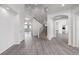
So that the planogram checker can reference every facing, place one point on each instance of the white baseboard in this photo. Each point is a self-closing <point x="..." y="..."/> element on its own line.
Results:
<point x="1" y="51"/>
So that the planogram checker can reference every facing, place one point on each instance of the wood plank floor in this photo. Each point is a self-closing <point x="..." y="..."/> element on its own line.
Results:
<point x="35" y="46"/>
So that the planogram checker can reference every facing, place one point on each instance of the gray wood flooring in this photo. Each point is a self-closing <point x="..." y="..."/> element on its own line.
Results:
<point x="37" y="46"/>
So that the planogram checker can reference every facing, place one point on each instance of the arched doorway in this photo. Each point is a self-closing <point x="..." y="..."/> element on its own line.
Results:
<point x="61" y="27"/>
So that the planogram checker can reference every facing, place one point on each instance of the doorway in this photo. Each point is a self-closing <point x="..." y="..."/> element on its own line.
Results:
<point x="61" y="28"/>
<point x="27" y="29"/>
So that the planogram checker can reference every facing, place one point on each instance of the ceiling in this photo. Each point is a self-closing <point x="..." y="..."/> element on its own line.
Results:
<point x="40" y="11"/>
<point x="52" y="7"/>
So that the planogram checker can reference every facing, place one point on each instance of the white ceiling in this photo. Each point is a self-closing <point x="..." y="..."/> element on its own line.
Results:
<point x="41" y="10"/>
<point x="52" y="7"/>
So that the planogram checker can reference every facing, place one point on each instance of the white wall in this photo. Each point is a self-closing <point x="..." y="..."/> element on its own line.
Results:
<point x="17" y="29"/>
<point x="36" y="27"/>
<point x="50" y="26"/>
<point x="12" y="25"/>
<point x="20" y="10"/>
<point x="75" y="17"/>
<point x="77" y="32"/>
<point x="7" y="29"/>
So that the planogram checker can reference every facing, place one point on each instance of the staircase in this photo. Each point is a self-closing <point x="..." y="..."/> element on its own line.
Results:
<point x="40" y="15"/>
<point x="43" y="34"/>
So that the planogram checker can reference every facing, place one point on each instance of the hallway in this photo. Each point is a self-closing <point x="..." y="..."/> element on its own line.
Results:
<point x="31" y="29"/>
<point x="35" y="46"/>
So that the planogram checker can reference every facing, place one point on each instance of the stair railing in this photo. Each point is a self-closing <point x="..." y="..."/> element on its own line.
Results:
<point x="40" y="30"/>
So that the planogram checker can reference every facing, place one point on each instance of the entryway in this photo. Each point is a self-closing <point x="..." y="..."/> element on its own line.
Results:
<point x="61" y="27"/>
